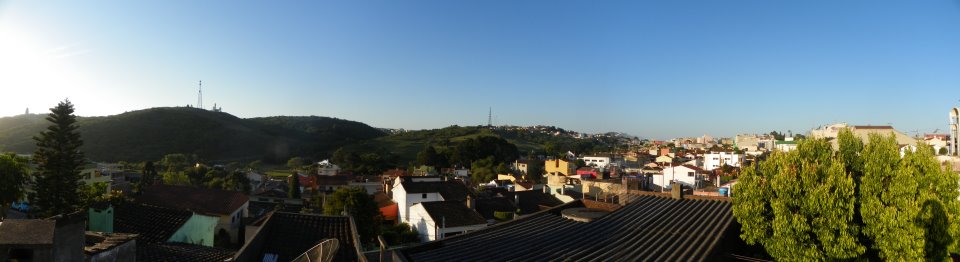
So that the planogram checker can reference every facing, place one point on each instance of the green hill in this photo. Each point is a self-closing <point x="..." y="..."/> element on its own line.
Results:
<point x="403" y="147"/>
<point x="151" y="133"/>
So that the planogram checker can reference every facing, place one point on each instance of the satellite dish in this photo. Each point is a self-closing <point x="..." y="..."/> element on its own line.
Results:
<point x="322" y="252"/>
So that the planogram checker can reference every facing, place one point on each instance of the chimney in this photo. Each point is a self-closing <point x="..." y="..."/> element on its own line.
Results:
<point x="469" y="202"/>
<point x="676" y="190"/>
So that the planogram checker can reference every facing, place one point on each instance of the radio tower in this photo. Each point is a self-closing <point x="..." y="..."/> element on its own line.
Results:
<point x="200" y="96"/>
<point x="490" y="117"/>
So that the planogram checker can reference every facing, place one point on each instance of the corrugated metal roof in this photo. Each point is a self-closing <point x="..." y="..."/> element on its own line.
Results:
<point x="652" y="227"/>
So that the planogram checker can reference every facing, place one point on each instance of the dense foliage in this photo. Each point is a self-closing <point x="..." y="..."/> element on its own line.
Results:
<point x="59" y="162"/>
<point x="13" y="178"/>
<point x="355" y="201"/>
<point x="864" y="201"/>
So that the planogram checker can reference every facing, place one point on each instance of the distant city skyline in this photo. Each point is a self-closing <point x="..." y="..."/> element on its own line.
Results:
<point x="650" y="69"/>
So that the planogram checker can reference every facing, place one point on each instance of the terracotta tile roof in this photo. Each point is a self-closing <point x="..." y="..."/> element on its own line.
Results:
<point x="450" y="190"/>
<point x="452" y="213"/>
<point x="635" y="232"/>
<point x="27" y="232"/>
<point x="152" y="223"/>
<point x="200" y="200"/>
<point x="290" y="234"/>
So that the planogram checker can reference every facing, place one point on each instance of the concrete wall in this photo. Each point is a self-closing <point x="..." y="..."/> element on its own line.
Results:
<point x="100" y="220"/>
<point x="198" y="230"/>
<point x="69" y="237"/>
<point x="126" y="252"/>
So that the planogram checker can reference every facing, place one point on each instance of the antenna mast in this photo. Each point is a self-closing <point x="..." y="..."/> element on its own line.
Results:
<point x="200" y="96"/>
<point x="490" y="117"/>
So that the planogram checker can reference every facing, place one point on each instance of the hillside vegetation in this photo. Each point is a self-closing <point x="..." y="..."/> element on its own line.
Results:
<point x="214" y="136"/>
<point x="402" y="148"/>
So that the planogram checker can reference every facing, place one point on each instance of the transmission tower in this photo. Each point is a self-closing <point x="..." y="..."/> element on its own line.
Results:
<point x="200" y="96"/>
<point x="490" y="117"/>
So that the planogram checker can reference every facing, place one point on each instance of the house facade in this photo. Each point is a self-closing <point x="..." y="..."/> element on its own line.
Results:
<point x="436" y="220"/>
<point x="686" y="174"/>
<point x="559" y="167"/>
<point x="713" y="161"/>
<point x="597" y="161"/>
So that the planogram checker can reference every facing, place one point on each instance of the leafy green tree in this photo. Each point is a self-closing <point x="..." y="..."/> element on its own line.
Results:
<point x="175" y="162"/>
<point x="399" y="234"/>
<point x="294" y="190"/>
<point x="59" y="162"/>
<point x="94" y="192"/>
<point x="149" y="174"/>
<point x="909" y="204"/>
<point x="482" y="171"/>
<point x="176" y="179"/>
<point x="863" y="201"/>
<point x="13" y="178"/>
<point x="580" y="163"/>
<point x="535" y="171"/>
<point x="429" y="157"/>
<point x="943" y="151"/>
<point x="295" y="163"/>
<point x="799" y="205"/>
<point x="255" y="165"/>
<point x="358" y="204"/>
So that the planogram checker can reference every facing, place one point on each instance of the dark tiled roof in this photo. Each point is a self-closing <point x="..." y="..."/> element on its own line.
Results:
<point x="200" y="200"/>
<point x="532" y="201"/>
<point x="453" y="213"/>
<point x="181" y="252"/>
<point x="97" y="242"/>
<point x="289" y="234"/>
<point x="487" y="206"/>
<point x="274" y="193"/>
<point x="636" y="231"/>
<point x="27" y="232"/>
<point x="450" y="190"/>
<point x="152" y="223"/>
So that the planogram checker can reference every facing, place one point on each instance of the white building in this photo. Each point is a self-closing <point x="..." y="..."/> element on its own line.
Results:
<point x="410" y="190"/>
<point x="439" y="219"/>
<point x="713" y="161"/>
<point x="325" y="168"/>
<point x="685" y="174"/>
<point x="954" y="144"/>
<point x="937" y="141"/>
<point x="828" y="131"/>
<point x="597" y="161"/>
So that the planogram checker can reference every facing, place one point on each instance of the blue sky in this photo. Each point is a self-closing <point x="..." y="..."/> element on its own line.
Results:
<point x="655" y="69"/>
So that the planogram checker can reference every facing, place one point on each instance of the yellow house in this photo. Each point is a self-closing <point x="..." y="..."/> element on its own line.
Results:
<point x="560" y="167"/>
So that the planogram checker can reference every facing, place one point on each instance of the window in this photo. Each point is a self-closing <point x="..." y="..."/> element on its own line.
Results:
<point x="690" y="174"/>
<point x="424" y="195"/>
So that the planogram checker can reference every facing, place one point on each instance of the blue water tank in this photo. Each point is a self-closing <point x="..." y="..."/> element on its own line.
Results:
<point x="724" y="191"/>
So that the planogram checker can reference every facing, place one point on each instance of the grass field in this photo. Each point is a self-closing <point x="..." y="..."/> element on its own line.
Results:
<point x="279" y="173"/>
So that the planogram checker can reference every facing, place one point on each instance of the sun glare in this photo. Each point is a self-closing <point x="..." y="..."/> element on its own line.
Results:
<point x="30" y="70"/>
